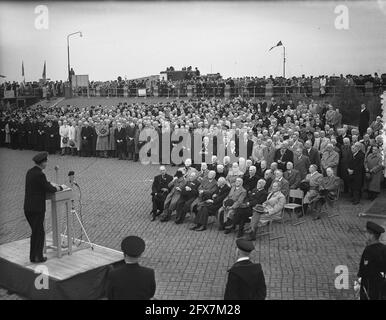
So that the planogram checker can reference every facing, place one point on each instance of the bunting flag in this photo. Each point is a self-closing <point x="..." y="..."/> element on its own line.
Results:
<point x="22" y="68"/>
<point x="1" y="76"/>
<point x="278" y="45"/>
<point x="44" y="71"/>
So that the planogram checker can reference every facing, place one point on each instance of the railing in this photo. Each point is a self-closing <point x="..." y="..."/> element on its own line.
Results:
<point x="228" y="92"/>
<point x="202" y="91"/>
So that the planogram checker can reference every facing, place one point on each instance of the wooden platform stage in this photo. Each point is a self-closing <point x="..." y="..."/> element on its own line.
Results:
<point x="81" y="275"/>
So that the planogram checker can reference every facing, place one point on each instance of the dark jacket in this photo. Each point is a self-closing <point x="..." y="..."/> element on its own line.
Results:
<point x="245" y="282"/>
<point x="256" y="197"/>
<point x="250" y="182"/>
<point x="160" y="183"/>
<point x="287" y="156"/>
<point x="131" y="282"/>
<point x="313" y="155"/>
<point x="364" y="118"/>
<point x="36" y="187"/>
<point x="219" y="196"/>
<point x="373" y="262"/>
<point x="357" y="165"/>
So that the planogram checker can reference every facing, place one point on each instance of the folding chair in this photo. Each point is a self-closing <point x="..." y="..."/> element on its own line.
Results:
<point x="335" y="203"/>
<point x="294" y="194"/>
<point x="270" y="220"/>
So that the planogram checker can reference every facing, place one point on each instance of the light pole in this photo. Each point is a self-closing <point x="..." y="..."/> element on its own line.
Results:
<point x="68" y="52"/>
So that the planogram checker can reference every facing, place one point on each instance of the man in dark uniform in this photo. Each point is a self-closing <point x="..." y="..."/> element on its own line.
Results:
<point x="36" y="187"/>
<point x="159" y="191"/>
<point x="372" y="265"/>
<point x="245" y="279"/>
<point x="131" y="281"/>
<point x="50" y="133"/>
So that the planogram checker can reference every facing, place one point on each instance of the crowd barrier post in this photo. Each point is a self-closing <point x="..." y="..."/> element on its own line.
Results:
<point x="227" y="91"/>
<point x="315" y="88"/>
<point x="369" y="88"/>
<point x="189" y="91"/>
<point x="269" y="90"/>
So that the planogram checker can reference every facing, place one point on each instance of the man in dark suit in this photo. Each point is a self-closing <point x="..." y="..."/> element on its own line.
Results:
<point x="159" y="191"/>
<point x="131" y="281"/>
<point x="87" y="134"/>
<point x="188" y="194"/>
<point x="364" y="119"/>
<point x="245" y="279"/>
<point x="312" y="154"/>
<point x="50" y="138"/>
<point x="211" y="206"/>
<point x="356" y="171"/>
<point x="250" y="144"/>
<point x="255" y="196"/>
<point x="36" y="187"/>
<point x="120" y="138"/>
<point x="250" y="179"/>
<point x="292" y="176"/>
<point x="283" y="155"/>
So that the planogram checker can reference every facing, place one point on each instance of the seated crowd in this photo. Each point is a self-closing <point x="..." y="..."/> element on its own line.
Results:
<point x="288" y="146"/>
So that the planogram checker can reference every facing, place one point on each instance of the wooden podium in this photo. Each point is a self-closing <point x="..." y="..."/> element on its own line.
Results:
<point x="60" y="200"/>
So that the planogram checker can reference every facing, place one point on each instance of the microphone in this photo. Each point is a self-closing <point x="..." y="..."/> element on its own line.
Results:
<point x="56" y="174"/>
<point x="71" y="177"/>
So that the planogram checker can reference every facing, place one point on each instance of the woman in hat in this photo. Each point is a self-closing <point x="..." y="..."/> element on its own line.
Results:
<point x="102" y="144"/>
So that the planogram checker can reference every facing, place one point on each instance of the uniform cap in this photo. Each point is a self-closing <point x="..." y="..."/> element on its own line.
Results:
<point x="245" y="245"/>
<point x="133" y="246"/>
<point x="40" y="157"/>
<point x="374" y="228"/>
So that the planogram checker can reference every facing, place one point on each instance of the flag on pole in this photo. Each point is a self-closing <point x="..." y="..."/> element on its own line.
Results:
<point x="44" y="71"/>
<point x="278" y="45"/>
<point x="22" y="68"/>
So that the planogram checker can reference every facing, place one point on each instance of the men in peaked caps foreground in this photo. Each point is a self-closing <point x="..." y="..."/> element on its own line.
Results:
<point x="131" y="281"/>
<point x="245" y="279"/>
<point x="372" y="268"/>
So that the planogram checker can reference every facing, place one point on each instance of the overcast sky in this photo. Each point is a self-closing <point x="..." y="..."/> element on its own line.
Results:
<point x="138" y="39"/>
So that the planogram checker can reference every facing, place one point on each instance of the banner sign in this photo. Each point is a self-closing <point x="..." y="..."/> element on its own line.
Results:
<point x="80" y="81"/>
<point x="9" y="94"/>
<point x="141" y="92"/>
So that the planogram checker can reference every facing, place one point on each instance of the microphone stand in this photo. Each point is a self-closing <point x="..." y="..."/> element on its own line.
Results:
<point x="80" y="220"/>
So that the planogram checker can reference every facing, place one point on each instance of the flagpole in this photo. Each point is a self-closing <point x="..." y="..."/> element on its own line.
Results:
<point x="284" y="63"/>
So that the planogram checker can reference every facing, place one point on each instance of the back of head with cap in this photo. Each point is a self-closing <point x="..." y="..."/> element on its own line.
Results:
<point x="133" y="246"/>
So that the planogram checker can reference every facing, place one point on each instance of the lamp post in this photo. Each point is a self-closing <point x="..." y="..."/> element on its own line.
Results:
<point x="68" y="52"/>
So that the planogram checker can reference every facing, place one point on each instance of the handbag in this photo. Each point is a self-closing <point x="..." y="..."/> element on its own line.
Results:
<point x="65" y="140"/>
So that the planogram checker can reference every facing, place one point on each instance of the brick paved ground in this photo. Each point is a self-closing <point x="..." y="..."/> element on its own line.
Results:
<point x="188" y="264"/>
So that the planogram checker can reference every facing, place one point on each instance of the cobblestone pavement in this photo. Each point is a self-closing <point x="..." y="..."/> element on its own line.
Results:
<point x="189" y="265"/>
